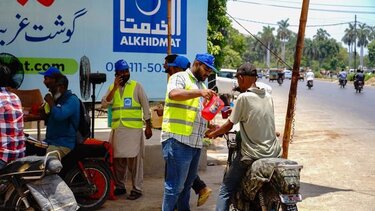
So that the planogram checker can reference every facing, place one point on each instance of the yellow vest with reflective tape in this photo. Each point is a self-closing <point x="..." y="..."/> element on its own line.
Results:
<point x="179" y="116"/>
<point x="125" y="109"/>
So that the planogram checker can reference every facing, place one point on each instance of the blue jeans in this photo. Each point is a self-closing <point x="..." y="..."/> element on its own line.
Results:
<point x="180" y="172"/>
<point x="231" y="182"/>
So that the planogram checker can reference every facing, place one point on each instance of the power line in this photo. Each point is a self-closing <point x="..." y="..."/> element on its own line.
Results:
<point x="293" y="25"/>
<point x="329" y="5"/>
<point x="313" y="9"/>
<point x="258" y="40"/>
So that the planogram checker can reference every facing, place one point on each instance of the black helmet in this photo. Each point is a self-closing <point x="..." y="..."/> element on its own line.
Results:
<point x="6" y="76"/>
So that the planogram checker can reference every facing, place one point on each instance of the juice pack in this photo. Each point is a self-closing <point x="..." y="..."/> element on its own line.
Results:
<point x="211" y="108"/>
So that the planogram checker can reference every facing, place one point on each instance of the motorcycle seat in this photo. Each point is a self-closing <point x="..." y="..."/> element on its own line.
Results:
<point x="30" y="165"/>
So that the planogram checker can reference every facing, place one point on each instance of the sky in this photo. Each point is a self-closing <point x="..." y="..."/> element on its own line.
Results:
<point x="333" y="16"/>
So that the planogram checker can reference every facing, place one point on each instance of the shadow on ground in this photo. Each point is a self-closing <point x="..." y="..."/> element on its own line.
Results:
<point x="317" y="190"/>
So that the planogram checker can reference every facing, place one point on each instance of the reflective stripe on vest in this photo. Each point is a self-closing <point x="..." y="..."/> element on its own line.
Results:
<point x="125" y="109"/>
<point x="179" y="116"/>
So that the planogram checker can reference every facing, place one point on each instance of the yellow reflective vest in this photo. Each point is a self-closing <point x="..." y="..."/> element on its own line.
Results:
<point x="125" y="109"/>
<point x="179" y="116"/>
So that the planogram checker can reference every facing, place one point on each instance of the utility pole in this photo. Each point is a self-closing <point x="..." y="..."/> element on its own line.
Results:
<point x="169" y="50"/>
<point x="355" y="41"/>
<point x="293" y="86"/>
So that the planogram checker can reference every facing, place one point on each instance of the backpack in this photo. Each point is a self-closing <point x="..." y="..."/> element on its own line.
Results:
<point x="84" y="130"/>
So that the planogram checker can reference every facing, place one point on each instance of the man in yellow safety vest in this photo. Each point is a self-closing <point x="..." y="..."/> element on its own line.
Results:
<point x="183" y="129"/>
<point x="129" y="106"/>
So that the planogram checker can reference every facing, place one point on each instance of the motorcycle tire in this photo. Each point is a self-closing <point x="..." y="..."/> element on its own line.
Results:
<point x="94" y="196"/>
<point x="16" y="203"/>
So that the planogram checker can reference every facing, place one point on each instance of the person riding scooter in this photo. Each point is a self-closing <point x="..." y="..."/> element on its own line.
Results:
<point x="280" y="77"/>
<point x="310" y="78"/>
<point x="359" y="77"/>
<point x="342" y="77"/>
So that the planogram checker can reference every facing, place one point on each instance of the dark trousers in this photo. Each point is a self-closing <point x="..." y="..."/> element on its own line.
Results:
<point x="198" y="185"/>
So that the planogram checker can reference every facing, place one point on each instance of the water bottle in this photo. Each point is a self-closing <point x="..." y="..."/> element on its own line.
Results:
<point x="212" y="108"/>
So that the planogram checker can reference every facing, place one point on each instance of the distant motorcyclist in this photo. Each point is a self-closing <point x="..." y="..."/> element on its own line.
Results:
<point x="254" y="111"/>
<point x="310" y="77"/>
<point x="359" y="76"/>
<point x="280" y="77"/>
<point x="342" y="77"/>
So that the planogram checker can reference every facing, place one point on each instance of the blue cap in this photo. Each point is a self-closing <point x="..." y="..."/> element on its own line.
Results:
<point x="50" y="72"/>
<point x="181" y="62"/>
<point x="208" y="60"/>
<point x="121" y="65"/>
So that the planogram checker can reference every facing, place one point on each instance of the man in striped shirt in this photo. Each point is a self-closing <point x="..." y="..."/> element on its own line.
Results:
<point x="11" y="121"/>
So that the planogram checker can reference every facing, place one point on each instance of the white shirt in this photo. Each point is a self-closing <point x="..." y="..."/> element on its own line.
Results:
<point x="309" y="76"/>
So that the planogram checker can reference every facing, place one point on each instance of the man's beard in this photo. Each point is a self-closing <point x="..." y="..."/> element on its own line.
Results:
<point x="198" y="77"/>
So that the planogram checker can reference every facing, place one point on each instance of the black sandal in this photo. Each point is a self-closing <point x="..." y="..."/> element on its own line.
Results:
<point x="134" y="195"/>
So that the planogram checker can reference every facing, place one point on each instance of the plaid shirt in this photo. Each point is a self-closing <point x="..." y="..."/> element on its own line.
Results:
<point x="178" y="81"/>
<point x="11" y="127"/>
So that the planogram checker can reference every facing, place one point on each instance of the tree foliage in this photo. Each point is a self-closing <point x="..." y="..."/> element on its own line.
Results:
<point x="218" y="23"/>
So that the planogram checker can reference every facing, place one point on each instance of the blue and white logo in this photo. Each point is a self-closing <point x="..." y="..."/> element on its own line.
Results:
<point x="142" y="26"/>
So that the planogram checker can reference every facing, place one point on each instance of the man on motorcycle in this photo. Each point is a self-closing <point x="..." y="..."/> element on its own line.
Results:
<point x="12" y="138"/>
<point x="62" y="116"/>
<point x="310" y="76"/>
<point x="254" y="111"/>
<point x="342" y="77"/>
<point x="359" y="77"/>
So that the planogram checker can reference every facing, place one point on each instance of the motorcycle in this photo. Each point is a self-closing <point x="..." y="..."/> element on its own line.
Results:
<point x="269" y="183"/>
<point x="309" y="84"/>
<point x="85" y="170"/>
<point x="280" y="81"/>
<point x="358" y="86"/>
<point x="32" y="183"/>
<point x="342" y="83"/>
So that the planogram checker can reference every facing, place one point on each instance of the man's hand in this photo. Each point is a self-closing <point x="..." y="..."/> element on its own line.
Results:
<point x="148" y="132"/>
<point x="211" y="133"/>
<point x="207" y="93"/>
<point x="49" y="99"/>
<point x="118" y="81"/>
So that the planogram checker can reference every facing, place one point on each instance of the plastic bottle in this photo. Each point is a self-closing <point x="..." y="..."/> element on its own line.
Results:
<point x="212" y="108"/>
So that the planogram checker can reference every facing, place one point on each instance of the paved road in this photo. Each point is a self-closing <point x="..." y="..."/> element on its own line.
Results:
<point x="333" y="141"/>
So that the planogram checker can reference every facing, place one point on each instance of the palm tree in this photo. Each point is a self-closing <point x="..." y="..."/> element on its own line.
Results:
<point x="349" y="39"/>
<point x="363" y="34"/>
<point x="372" y="33"/>
<point x="321" y="34"/>
<point x="283" y="33"/>
<point x="268" y="38"/>
<point x="309" y="50"/>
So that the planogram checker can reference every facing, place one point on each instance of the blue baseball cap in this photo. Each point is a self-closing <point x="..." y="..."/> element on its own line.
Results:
<point x="208" y="60"/>
<point x="181" y="62"/>
<point x="121" y="65"/>
<point x="51" y="72"/>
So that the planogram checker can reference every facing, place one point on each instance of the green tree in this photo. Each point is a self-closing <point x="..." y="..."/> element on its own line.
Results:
<point x="268" y="38"/>
<point x="349" y="39"/>
<point x="217" y="25"/>
<point x="309" y="51"/>
<point x="283" y="34"/>
<point x="371" y="54"/>
<point x="232" y="59"/>
<point x="363" y="34"/>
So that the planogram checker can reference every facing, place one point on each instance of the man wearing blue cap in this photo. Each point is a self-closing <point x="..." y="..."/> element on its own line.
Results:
<point x="129" y="105"/>
<point x="173" y="64"/>
<point x="62" y="115"/>
<point x="183" y="130"/>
